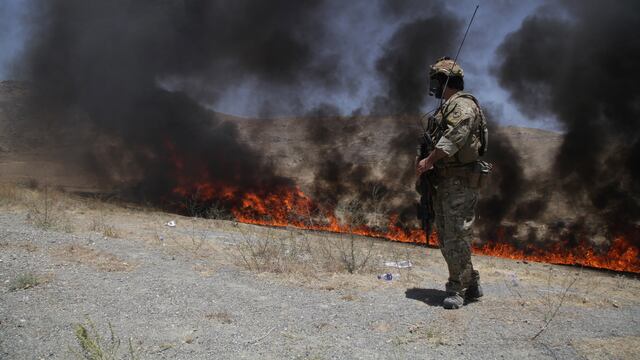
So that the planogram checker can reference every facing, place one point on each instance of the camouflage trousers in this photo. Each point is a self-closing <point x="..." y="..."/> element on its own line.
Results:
<point x="454" y="205"/>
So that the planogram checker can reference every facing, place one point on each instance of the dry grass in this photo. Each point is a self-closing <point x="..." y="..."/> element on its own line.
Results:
<point x="218" y="212"/>
<point x="313" y="259"/>
<point x="46" y="209"/>
<point x="26" y="247"/>
<point x="274" y="251"/>
<point x="222" y="317"/>
<point x="100" y="224"/>
<point x="25" y="281"/>
<point x="93" y="346"/>
<point x="100" y="260"/>
<point x="300" y="252"/>
<point x="422" y="332"/>
<point x="205" y="270"/>
<point x="10" y="194"/>
<point x="623" y="348"/>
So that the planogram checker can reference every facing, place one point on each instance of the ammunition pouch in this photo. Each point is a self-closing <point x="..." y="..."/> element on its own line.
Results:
<point x="476" y="174"/>
<point x="479" y="175"/>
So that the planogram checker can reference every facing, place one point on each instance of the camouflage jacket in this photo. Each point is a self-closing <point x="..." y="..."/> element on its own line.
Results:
<point x="460" y="117"/>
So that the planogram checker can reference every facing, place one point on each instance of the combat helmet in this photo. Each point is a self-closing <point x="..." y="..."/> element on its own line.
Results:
<point x="446" y="66"/>
<point x="445" y="71"/>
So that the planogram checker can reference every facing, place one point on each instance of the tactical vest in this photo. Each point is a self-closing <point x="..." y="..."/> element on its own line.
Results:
<point x="478" y="139"/>
<point x="483" y="131"/>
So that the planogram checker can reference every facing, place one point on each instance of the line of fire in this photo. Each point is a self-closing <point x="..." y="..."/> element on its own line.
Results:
<point x="286" y="206"/>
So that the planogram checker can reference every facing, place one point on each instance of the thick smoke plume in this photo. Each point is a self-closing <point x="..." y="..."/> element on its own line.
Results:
<point x="130" y="71"/>
<point x="137" y="73"/>
<point x="403" y="68"/>
<point x="403" y="65"/>
<point x="581" y="67"/>
<point x="425" y="33"/>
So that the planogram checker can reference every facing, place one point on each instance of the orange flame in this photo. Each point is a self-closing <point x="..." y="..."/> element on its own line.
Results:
<point x="289" y="206"/>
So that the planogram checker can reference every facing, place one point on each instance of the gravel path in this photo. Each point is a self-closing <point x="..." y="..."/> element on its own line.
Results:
<point x="160" y="300"/>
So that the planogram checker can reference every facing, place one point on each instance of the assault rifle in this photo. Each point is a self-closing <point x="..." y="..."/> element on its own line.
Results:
<point x="425" y="211"/>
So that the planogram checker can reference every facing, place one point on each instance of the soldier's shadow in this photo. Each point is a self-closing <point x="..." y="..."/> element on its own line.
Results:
<point x="431" y="297"/>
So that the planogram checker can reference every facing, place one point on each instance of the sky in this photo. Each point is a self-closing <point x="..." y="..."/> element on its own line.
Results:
<point x="363" y="38"/>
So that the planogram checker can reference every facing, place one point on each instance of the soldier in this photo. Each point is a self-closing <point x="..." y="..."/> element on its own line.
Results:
<point x="453" y="167"/>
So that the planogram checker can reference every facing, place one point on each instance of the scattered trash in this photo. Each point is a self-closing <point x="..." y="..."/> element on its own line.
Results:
<point x="388" y="276"/>
<point x="615" y="305"/>
<point x="399" y="264"/>
<point x="171" y="223"/>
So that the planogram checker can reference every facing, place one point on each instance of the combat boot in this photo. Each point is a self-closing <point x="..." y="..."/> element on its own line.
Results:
<point x="473" y="292"/>
<point x="453" y="301"/>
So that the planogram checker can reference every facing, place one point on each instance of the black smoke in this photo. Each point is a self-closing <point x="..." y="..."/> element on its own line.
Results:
<point x="578" y="63"/>
<point x="430" y="32"/>
<point x="133" y="72"/>
<point x="404" y="63"/>
<point x="125" y="80"/>
<point x="425" y="33"/>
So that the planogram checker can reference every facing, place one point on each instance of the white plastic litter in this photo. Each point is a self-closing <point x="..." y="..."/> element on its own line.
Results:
<point x="388" y="277"/>
<point x="171" y="223"/>
<point x="399" y="264"/>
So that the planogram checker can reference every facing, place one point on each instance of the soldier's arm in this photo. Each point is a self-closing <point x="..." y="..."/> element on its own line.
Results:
<point x="459" y="125"/>
<point x="427" y="163"/>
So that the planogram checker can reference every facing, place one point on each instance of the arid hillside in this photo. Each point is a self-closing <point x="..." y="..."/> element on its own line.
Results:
<point x="28" y="153"/>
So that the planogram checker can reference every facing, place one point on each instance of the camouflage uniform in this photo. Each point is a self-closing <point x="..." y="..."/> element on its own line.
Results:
<point x="455" y="197"/>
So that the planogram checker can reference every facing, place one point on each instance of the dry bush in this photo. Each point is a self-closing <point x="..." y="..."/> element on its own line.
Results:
<point x="45" y="209"/>
<point x="24" y="281"/>
<point x="345" y="253"/>
<point x="94" y="346"/>
<point x="274" y="251"/>
<point x="378" y="211"/>
<point x="552" y="301"/>
<point x="303" y="252"/>
<point x="195" y="206"/>
<point x="99" y="224"/>
<point x="351" y="251"/>
<point x="299" y="251"/>
<point x="193" y="241"/>
<point x="217" y="211"/>
<point x="10" y="194"/>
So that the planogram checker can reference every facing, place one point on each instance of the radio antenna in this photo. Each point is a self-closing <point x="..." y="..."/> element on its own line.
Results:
<point x="455" y="60"/>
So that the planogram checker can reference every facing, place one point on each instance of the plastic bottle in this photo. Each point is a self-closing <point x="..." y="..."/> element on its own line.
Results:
<point x="388" y="276"/>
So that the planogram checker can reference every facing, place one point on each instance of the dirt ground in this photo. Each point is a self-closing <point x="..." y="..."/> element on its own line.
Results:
<point x="215" y="289"/>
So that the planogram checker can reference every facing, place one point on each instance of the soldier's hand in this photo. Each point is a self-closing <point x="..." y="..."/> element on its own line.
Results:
<point x="423" y="166"/>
